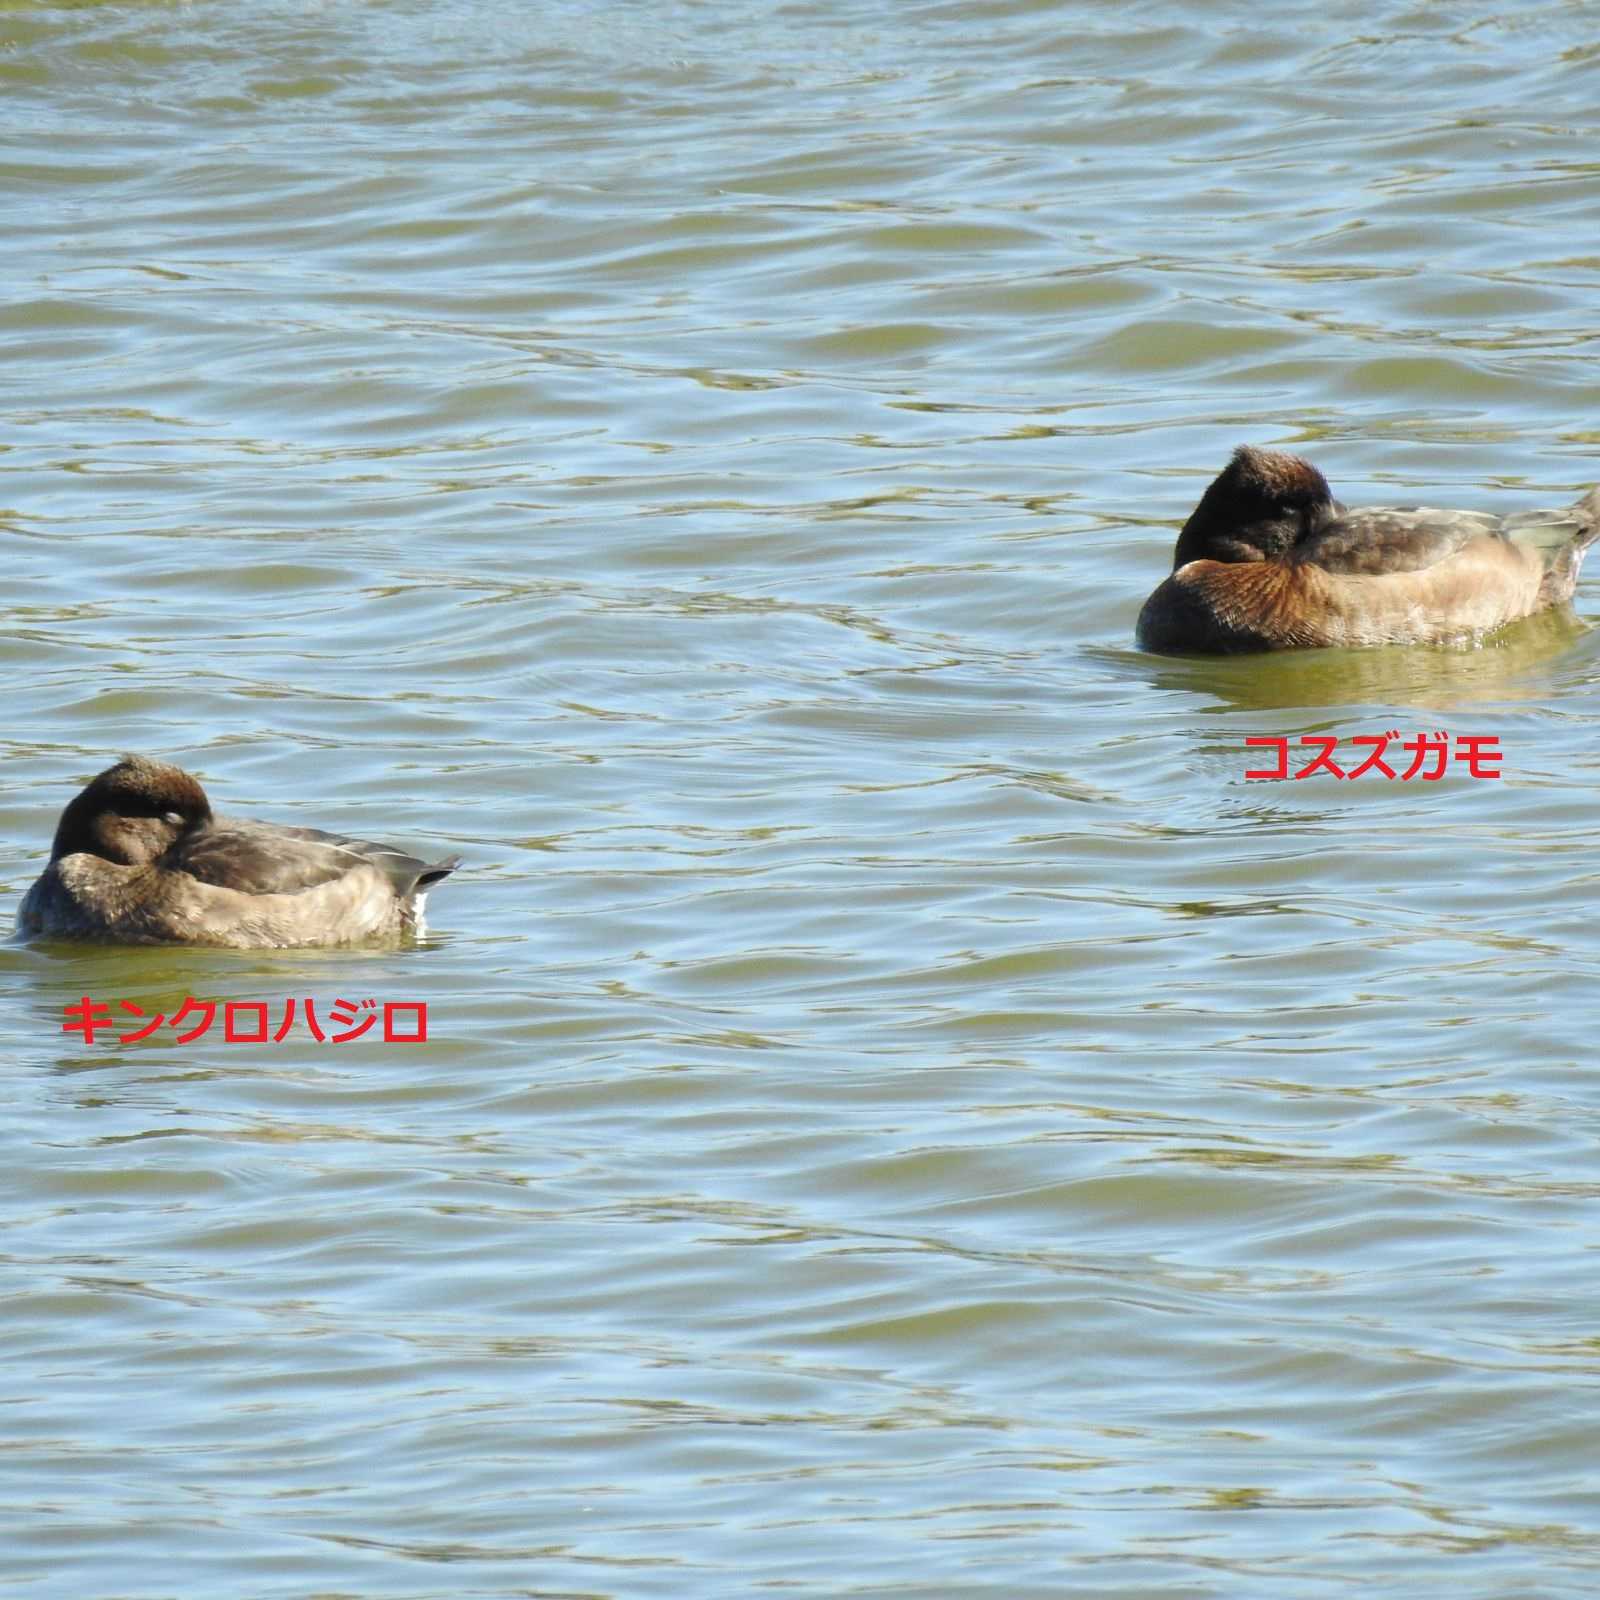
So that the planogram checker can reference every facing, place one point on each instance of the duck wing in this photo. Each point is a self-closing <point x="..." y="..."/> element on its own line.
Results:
<point x="260" y="858"/>
<point x="1381" y="539"/>
<point x="407" y="873"/>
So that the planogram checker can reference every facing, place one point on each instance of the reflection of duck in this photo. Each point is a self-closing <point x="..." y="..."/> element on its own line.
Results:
<point x="139" y="858"/>
<point x="1525" y="661"/>
<point x="1271" y="561"/>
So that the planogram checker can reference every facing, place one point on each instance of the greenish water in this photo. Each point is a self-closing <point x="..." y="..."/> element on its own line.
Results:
<point x="903" y="1116"/>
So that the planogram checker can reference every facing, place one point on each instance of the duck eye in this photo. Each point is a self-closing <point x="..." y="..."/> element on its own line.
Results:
<point x="174" y="818"/>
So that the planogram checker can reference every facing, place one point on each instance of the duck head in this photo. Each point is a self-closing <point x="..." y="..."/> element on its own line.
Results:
<point x="1256" y="508"/>
<point x="132" y="814"/>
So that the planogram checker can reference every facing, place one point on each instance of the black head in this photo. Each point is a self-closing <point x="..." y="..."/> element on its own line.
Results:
<point x="1256" y="507"/>
<point x="132" y="813"/>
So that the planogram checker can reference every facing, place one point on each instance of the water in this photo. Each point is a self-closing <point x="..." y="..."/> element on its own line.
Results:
<point x="902" y="1114"/>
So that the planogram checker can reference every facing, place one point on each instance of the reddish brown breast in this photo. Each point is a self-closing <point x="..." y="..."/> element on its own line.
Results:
<point x="1212" y="607"/>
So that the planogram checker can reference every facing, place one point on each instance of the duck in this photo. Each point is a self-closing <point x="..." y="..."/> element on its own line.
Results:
<point x="139" y="858"/>
<point x="1269" y="560"/>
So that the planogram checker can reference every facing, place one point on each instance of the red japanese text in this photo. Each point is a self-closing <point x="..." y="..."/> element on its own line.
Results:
<point x="1431" y="755"/>
<point x="248" y="1021"/>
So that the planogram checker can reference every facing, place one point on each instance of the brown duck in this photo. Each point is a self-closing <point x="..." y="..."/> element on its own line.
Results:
<point x="139" y="858"/>
<point x="1271" y="561"/>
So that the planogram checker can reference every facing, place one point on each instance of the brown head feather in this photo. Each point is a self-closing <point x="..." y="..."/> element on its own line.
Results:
<point x="132" y="812"/>
<point x="1255" y="508"/>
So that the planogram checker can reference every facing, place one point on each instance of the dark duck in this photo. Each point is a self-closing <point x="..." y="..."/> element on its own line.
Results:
<point x="139" y="858"/>
<point x="1271" y="561"/>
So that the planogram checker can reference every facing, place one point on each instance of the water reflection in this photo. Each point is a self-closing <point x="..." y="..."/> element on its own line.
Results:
<point x="1516" y="664"/>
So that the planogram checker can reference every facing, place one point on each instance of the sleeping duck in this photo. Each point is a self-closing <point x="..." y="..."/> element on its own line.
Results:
<point x="1271" y="561"/>
<point x="139" y="858"/>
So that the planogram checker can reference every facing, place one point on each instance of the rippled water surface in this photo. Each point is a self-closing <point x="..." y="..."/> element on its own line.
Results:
<point x="902" y="1114"/>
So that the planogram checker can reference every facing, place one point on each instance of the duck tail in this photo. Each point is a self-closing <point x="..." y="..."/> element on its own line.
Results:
<point x="1587" y="511"/>
<point x="431" y="875"/>
<point x="1559" y="539"/>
